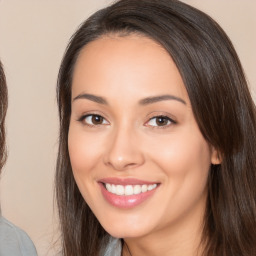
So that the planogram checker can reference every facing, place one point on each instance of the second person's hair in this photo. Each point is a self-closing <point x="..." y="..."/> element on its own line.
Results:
<point x="3" y="110"/>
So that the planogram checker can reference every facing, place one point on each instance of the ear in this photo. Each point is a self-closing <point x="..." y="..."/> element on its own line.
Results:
<point x="216" y="157"/>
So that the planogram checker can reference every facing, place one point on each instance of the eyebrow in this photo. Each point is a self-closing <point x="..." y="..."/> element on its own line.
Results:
<point x="145" y="101"/>
<point x="150" y="100"/>
<point x="91" y="97"/>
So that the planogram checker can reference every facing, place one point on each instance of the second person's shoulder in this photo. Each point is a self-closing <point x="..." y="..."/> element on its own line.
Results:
<point x="14" y="241"/>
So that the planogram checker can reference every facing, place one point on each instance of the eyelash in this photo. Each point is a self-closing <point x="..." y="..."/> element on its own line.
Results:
<point x="165" y="119"/>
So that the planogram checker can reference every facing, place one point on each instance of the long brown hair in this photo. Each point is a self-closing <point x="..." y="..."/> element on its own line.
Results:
<point x="222" y="106"/>
<point x="3" y="109"/>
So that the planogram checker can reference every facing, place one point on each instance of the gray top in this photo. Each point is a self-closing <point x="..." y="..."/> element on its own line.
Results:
<point x="114" y="248"/>
<point x="14" y="241"/>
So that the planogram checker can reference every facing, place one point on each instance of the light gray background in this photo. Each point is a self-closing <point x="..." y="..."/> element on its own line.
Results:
<point x="33" y="36"/>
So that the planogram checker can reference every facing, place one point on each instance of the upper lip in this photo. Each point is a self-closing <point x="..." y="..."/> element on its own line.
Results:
<point x="126" y="181"/>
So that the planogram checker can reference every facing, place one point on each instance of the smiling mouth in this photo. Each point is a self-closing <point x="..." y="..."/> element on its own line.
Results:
<point x="129" y="190"/>
<point x="127" y="193"/>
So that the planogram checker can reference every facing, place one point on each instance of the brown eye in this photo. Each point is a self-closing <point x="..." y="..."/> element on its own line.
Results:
<point x="97" y="120"/>
<point x="160" y="121"/>
<point x="94" y="120"/>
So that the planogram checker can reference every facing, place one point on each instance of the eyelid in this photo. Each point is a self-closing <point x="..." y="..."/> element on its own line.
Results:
<point x="91" y="112"/>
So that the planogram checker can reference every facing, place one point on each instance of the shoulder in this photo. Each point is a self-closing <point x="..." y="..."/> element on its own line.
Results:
<point x="14" y="241"/>
<point x="113" y="248"/>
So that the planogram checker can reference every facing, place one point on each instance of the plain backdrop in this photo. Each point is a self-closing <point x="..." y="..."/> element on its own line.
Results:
<point x="33" y="37"/>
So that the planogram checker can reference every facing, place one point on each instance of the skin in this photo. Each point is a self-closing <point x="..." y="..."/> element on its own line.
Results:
<point x="128" y="142"/>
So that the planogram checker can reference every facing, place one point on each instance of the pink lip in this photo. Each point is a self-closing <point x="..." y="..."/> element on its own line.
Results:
<point x="126" y="181"/>
<point x="125" y="201"/>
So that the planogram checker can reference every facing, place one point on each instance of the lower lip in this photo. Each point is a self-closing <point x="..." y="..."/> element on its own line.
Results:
<point x="125" y="201"/>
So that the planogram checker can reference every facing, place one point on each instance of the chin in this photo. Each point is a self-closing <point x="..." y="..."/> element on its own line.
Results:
<point x="126" y="231"/>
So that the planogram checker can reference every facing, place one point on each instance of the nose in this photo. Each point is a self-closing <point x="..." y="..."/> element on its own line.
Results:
<point x="123" y="150"/>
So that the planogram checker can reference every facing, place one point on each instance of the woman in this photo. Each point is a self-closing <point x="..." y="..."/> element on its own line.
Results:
<point x="13" y="240"/>
<point x="157" y="136"/>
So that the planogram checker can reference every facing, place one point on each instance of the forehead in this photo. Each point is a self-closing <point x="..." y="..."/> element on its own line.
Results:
<point x="112" y="48"/>
<point x="122" y="62"/>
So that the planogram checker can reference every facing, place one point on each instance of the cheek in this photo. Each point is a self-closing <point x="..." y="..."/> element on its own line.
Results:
<point x="184" y="159"/>
<point x="84" y="150"/>
<point x="185" y="162"/>
<point x="85" y="153"/>
<point x="180" y="150"/>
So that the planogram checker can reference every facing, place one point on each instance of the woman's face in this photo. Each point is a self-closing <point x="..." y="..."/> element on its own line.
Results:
<point x="137" y="154"/>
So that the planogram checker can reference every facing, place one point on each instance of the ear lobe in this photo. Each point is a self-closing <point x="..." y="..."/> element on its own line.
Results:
<point x="216" y="157"/>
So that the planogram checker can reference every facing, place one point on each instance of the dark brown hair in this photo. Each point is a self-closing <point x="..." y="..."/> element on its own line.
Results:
<point x="222" y="106"/>
<point x="3" y="110"/>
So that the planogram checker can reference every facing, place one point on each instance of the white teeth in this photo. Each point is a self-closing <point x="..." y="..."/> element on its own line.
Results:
<point x="137" y="189"/>
<point x="108" y="187"/>
<point x="144" y="188"/>
<point x="129" y="189"/>
<point x="150" y="187"/>
<point x="113" y="189"/>
<point x="120" y="190"/>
